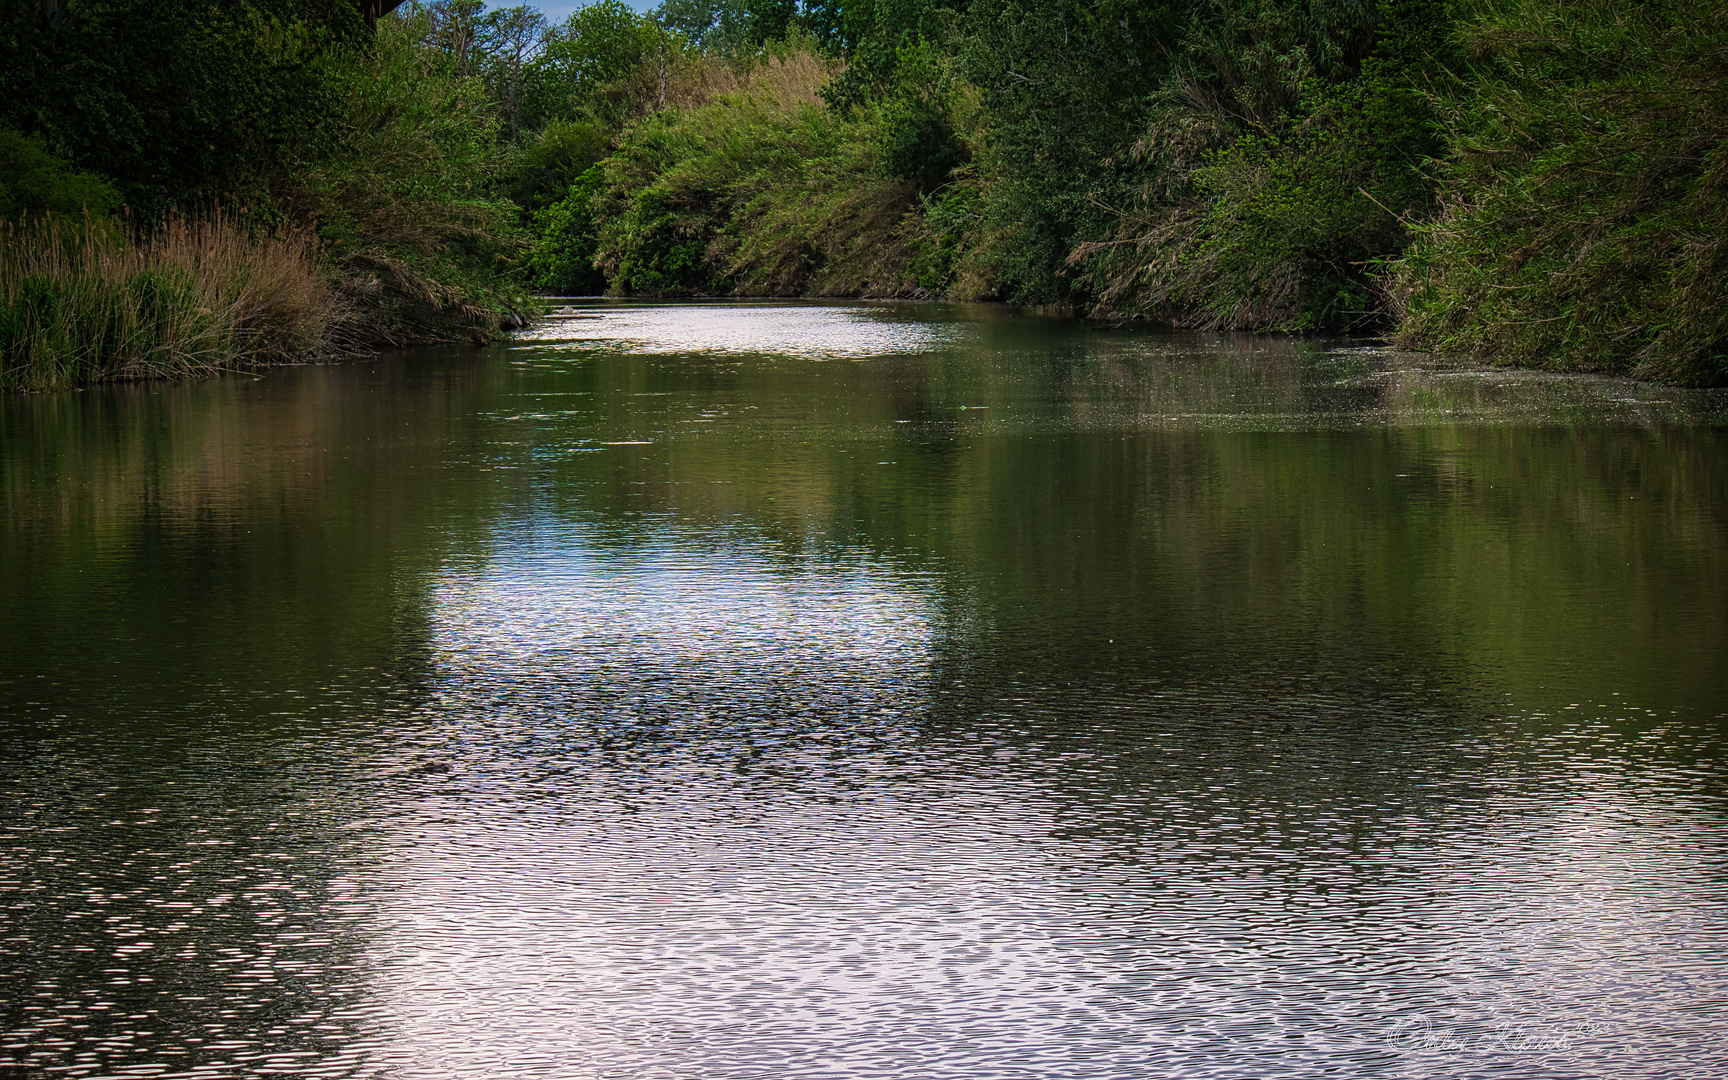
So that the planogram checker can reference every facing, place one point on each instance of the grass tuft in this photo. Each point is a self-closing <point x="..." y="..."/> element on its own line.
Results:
<point x="80" y="302"/>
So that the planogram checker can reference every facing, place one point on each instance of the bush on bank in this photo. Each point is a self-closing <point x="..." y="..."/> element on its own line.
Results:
<point x="1282" y="162"/>
<point x="761" y="192"/>
<point x="344" y="199"/>
<point x="1528" y="181"/>
<point x="1584" y="195"/>
<point x="419" y="244"/>
<point x="34" y="183"/>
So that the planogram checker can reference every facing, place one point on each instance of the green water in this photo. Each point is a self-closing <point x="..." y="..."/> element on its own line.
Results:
<point x="852" y="690"/>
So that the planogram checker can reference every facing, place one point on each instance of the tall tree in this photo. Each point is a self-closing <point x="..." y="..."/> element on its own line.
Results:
<point x="1066" y="85"/>
<point x="511" y="38"/>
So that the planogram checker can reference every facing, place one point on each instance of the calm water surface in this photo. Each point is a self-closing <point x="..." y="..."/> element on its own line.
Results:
<point x="762" y="691"/>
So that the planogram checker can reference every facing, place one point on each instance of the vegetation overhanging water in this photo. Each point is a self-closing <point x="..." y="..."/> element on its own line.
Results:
<point x="1530" y="183"/>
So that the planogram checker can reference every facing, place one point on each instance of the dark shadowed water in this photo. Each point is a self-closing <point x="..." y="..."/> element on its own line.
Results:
<point x="764" y="691"/>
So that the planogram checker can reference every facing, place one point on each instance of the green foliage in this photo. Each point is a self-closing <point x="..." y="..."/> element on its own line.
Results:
<point x="177" y="102"/>
<point x="919" y="137"/>
<point x="1065" y="88"/>
<point x="34" y="182"/>
<point x="760" y="192"/>
<point x="567" y="239"/>
<point x="1281" y="161"/>
<point x="423" y="248"/>
<point x="454" y="29"/>
<point x="1584" y="215"/>
<point x="729" y="27"/>
<point x="387" y="147"/>
<point x="595" y="48"/>
<point x="873" y="35"/>
<point x="543" y="171"/>
<point x="943" y="241"/>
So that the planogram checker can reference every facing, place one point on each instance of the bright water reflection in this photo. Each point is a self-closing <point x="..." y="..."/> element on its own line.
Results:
<point x="813" y="331"/>
<point x="1026" y="702"/>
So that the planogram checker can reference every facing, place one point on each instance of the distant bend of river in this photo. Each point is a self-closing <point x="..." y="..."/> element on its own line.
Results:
<point x="765" y="690"/>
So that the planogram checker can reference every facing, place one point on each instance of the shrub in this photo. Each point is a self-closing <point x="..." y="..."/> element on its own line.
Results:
<point x="1272" y="232"/>
<point x="1584" y="219"/>
<point x="761" y="191"/>
<point x="1065" y="87"/>
<point x="544" y="170"/>
<point x="422" y="249"/>
<point x="34" y="182"/>
<point x="600" y="46"/>
<point x="1280" y="163"/>
<point x="919" y="136"/>
<point x="178" y="103"/>
<point x="566" y="240"/>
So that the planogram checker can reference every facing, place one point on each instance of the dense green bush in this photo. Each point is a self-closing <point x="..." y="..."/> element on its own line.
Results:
<point x="597" y="48"/>
<point x="285" y="119"/>
<point x="567" y="241"/>
<point x="1281" y="162"/>
<point x="178" y="103"/>
<point x="543" y="171"/>
<point x="925" y="115"/>
<point x="1584" y="217"/>
<point x="1065" y="88"/>
<point x="762" y="191"/>
<point x="421" y="245"/>
<point x="874" y="35"/>
<point x="34" y="182"/>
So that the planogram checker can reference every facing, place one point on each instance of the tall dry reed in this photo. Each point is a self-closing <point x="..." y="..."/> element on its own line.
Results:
<point x="81" y="302"/>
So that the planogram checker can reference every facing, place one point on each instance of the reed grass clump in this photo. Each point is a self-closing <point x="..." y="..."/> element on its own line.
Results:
<point x="82" y="302"/>
<point x="1584" y="216"/>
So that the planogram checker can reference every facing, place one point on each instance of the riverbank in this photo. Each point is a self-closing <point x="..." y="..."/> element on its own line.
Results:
<point x="1430" y="173"/>
<point x="83" y="303"/>
<point x="1424" y="171"/>
<point x="331" y="194"/>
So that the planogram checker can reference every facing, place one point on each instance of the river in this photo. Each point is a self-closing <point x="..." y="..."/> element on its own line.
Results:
<point x="768" y="690"/>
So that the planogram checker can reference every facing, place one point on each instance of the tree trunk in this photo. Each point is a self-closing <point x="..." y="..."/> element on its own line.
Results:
<point x="372" y="9"/>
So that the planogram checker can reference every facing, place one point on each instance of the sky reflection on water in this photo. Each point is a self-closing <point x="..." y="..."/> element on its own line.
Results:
<point x="1021" y="701"/>
<point x="670" y="846"/>
<point x="816" y="332"/>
